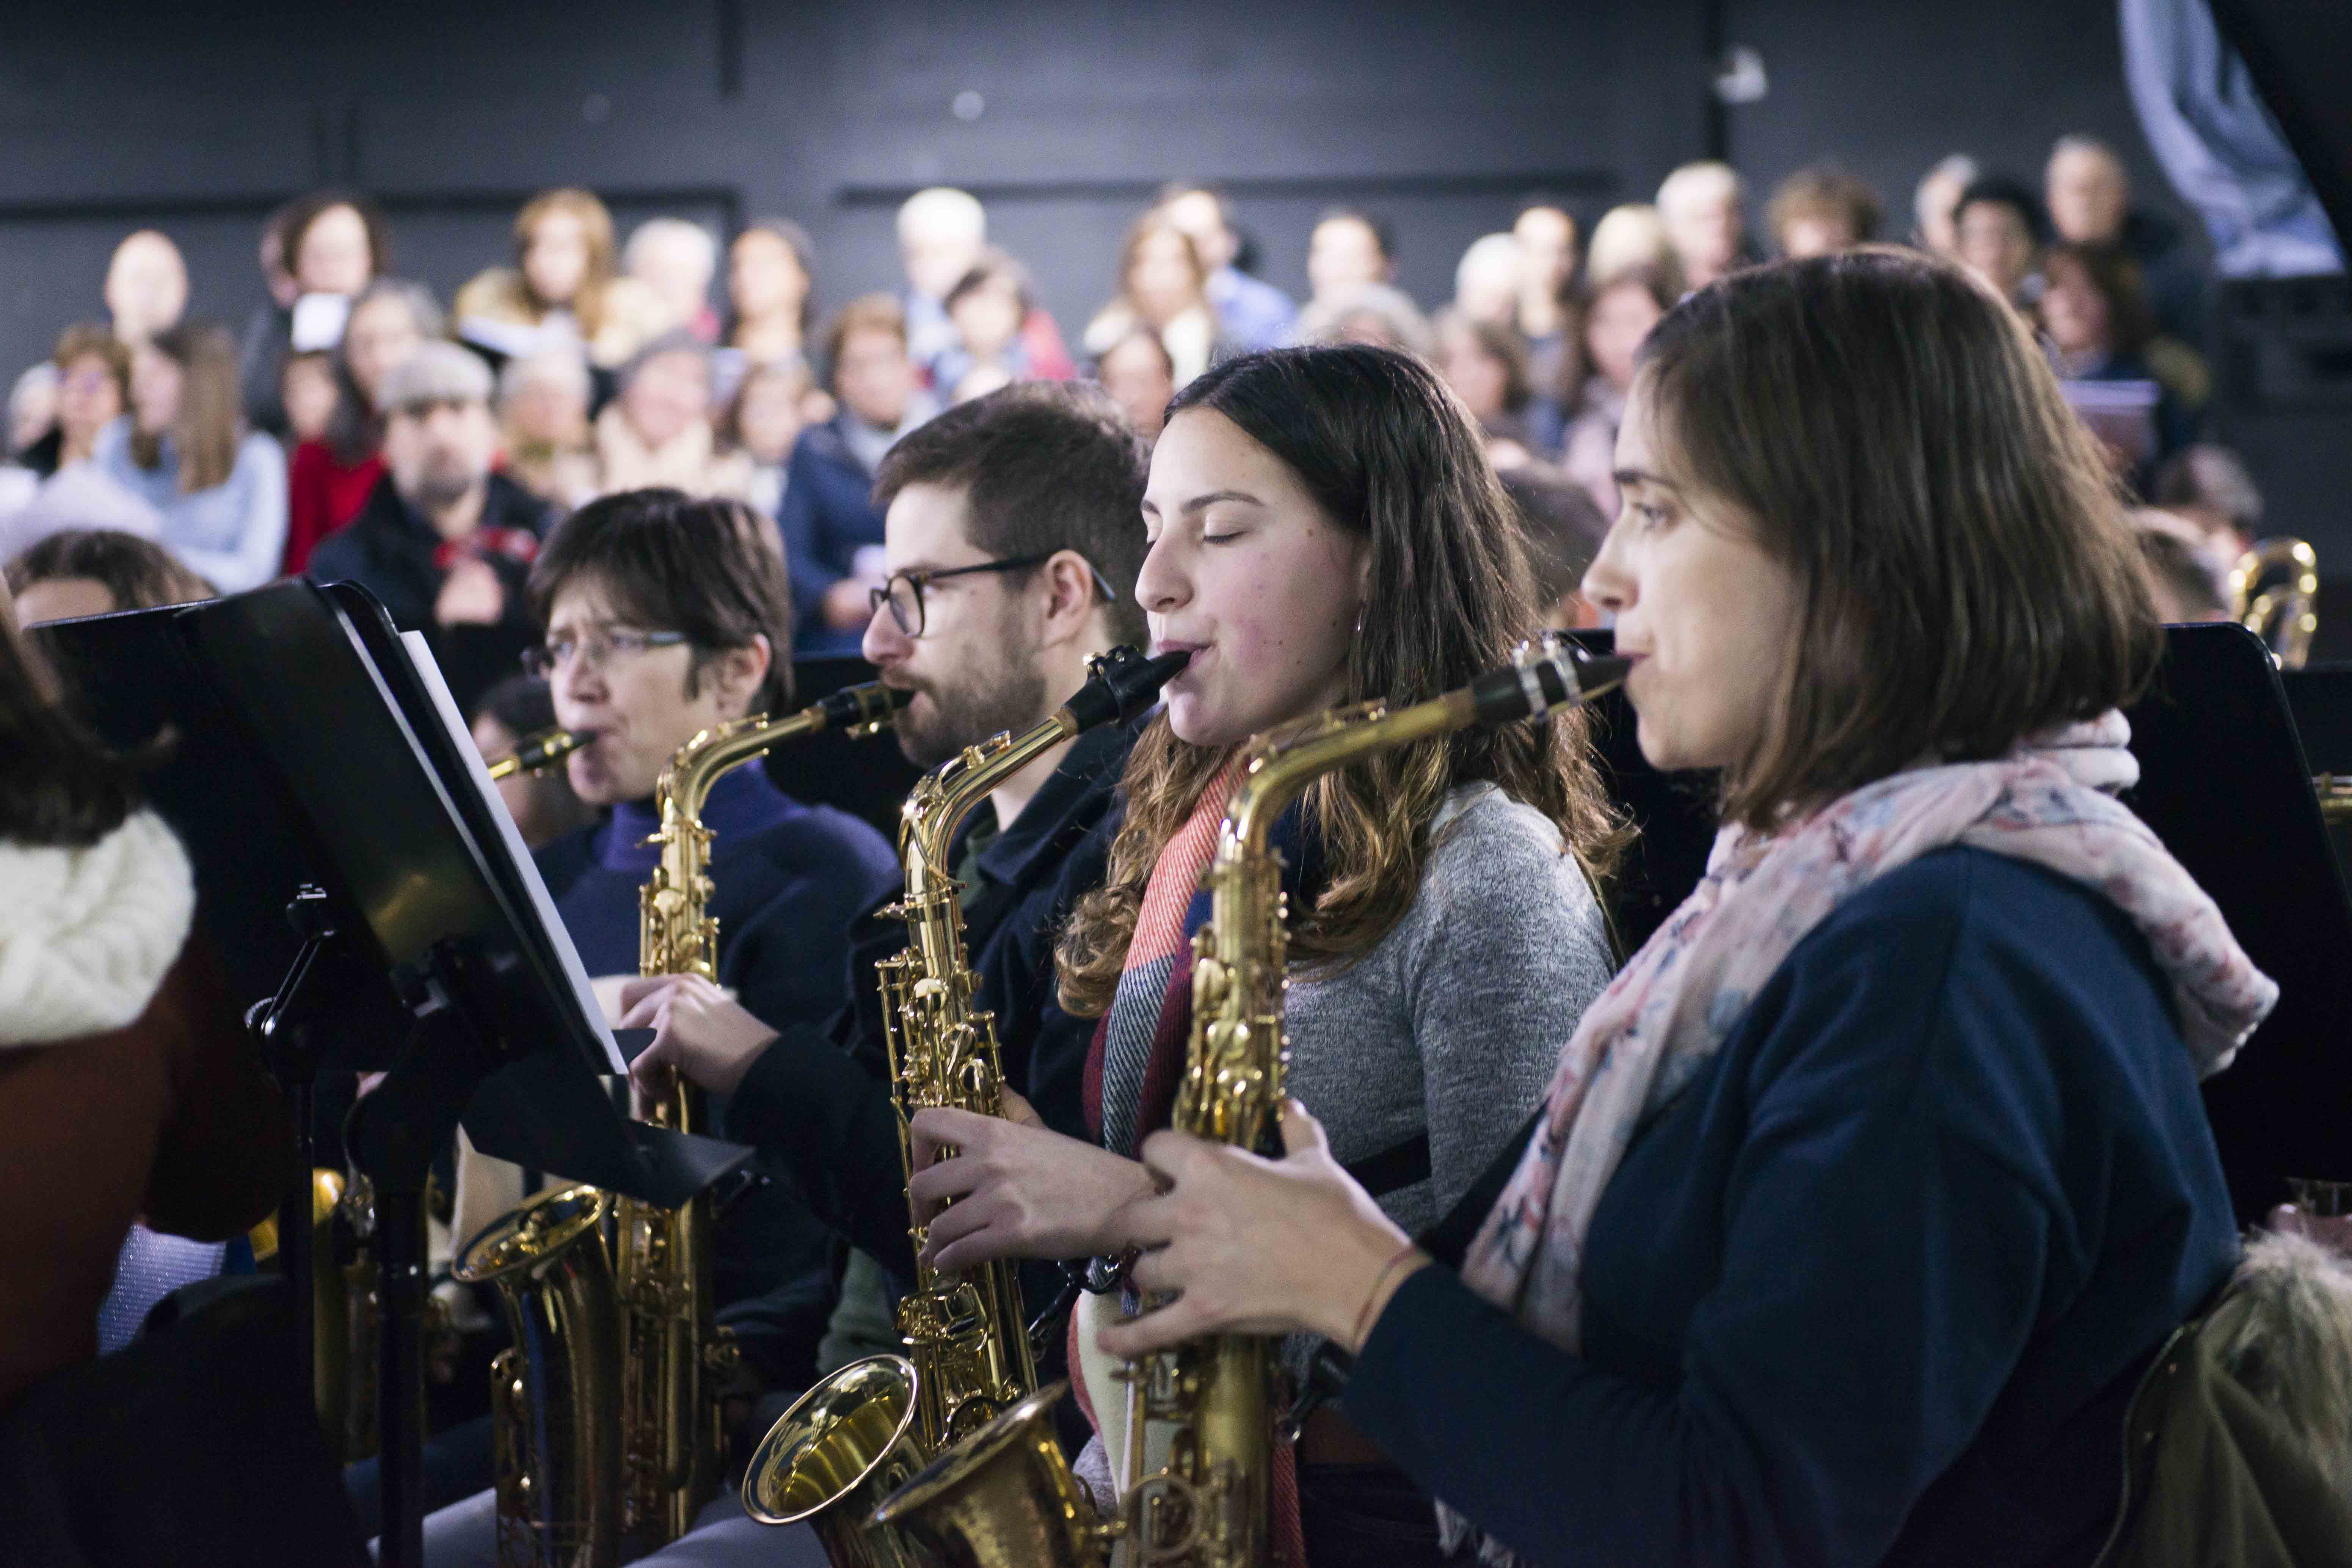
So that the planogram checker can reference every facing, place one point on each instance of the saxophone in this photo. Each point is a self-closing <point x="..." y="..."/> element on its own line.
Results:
<point x="867" y="1427"/>
<point x="1206" y="1407"/>
<point x="605" y="1420"/>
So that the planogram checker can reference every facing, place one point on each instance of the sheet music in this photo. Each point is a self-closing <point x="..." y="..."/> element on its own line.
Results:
<point x="420" y="656"/>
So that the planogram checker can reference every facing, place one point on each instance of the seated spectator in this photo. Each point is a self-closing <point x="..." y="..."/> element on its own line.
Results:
<point x="762" y="423"/>
<point x="2209" y="486"/>
<point x="771" y="287"/>
<point x="1486" y="280"/>
<point x="655" y="434"/>
<point x="56" y="486"/>
<point x="1998" y="230"/>
<point x="1937" y="200"/>
<point x="334" y="475"/>
<point x="1251" y="314"/>
<point x="2099" y="329"/>
<point x="2089" y="193"/>
<point x="543" y="426"/>
<point x="1547" y="315"/>
<point x="146" y="286"/>
<point x="1702" y="206"/>
<point x="2182" y="576"/>
<point x="832" y="530"/>
<point x="561" y="288"/>
<point x="1140" y="378"/>
<point x="330" y="245"/>
<point x="542" y="803"/>
<point x="1820" y="209"/>
<point x="1347" y="250"/>
<point x="96" y="572"/>
<point x="987" y="305"/>
<point x="1487" y="365"/>
<point x="1563" y="532"/>
<point x="444" y="542"/>
<point x="308" y="396"/>
<point x="1164" y="286"/>
<point x="1367" y="313"/>
<point x="1618" y="315"/>
<point x="32" y="408"/>
<point x="941" y="232"/>
<point x="676" y="260"/>
<point x="1629" y="239"/>
<point x="183" y="449"/>
<point x="93" y="377"/>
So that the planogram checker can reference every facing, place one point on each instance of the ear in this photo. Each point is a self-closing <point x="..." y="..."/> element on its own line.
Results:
<point x="1070" y="594"/>
<point x="739" y="672"/>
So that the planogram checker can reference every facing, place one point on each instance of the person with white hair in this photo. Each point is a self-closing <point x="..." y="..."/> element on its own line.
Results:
<point x="146" y="286"/>
<point x="1705" y="222"/>
<point x="657" y="432"/>
<point x="1935" y="205"/>
<point x="942" y="232"/>
<point x="544" y="401"/>
<point x="1486" y="278"/>
<point x="676" y="260"/>
<point x="1629" y="239"/>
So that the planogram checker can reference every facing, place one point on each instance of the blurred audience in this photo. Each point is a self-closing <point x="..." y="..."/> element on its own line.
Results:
<point x="1486" y="280"/>
<point x="986" y="306"/>
<point x="32" y="408"/>
<point x="1547" y="315"/>
<point x="317" y="255"/>
<point x="1702" y="208"/>
<point x="832" y="531"/>
<point x="2209" y="486"/>
<point x="941" y="232"/>
<point x="563" y="288"/>
<point x="1371" y="314"/>
<point x="93" y="388"/>
<point x="2089" y="193"/>
<point x="1347" y="250"/>
<point x="333" y="474"/>
<point x="308" y="396"/>
<point x="771" y="290"/>
<point x="445" y="541"/>
<point x="1140" y="378"/>
<point x="146" y="286"/>
<point x="1629" y="239"/>
<point x="96" y="572"/>
<point x="1163" y="287"/>
<point x="1998" y="230"/>
<point x="542" y="804"/>
<point x="2182" y="575"/>
<point x="1563" y="530"/>
<point x="183" y="448"/>
<point x="1251" y="314"/>
<point x="1935" y="200"/>
<point x="1618" y="314"/>
<point x="2098" y="329"/>
<point x="1485" y="363"/>
<point x="762" y="423"/>
<point x="1822" y="209"/>
<point x="676" y="261"/>
<point x="655" y="434"/>
<point x="543" y="426"/>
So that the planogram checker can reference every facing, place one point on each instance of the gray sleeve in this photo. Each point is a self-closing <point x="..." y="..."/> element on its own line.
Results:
<point x="1513" y="950"/>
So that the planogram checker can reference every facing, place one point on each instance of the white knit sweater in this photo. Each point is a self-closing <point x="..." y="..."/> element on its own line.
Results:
<point x="87" y="935"/>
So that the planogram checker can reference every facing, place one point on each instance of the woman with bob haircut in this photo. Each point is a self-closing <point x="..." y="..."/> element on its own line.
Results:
<point x="1323" y="528"/>
<point x="1864" y="1195"/>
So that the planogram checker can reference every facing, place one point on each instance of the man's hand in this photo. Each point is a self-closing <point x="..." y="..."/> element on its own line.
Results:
<point x="471" y="594"/>
<point x="1012" y="1187"/>
<point x="698" y="1028"/>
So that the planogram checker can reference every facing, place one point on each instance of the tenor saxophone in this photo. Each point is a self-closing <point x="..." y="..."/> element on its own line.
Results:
<point x="1202" y="1413"/>
<point x="867" y="1427"/>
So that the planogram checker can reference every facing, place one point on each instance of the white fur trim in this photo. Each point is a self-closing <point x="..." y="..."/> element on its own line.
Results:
<point x="87" y="935"/>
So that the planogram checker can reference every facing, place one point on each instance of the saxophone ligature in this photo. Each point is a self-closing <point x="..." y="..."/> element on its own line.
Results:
<point x="862" y="1430"/>
<point x="1202" y="1414"/>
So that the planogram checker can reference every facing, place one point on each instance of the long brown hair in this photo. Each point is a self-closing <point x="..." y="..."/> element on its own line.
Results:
<point x="1967" y="570"/>
<point x="587" y="305"/>
<point x="204" y="431"/>
<point x="60" y="787"/>
<point x="1390" y="455"/>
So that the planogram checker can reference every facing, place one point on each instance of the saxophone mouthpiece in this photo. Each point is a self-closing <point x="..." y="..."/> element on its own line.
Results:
<point x="1551" y="672"/>
<point x="1125" y="686"/>
<point x="539" y="752"/>
<point x="866" y="710"/>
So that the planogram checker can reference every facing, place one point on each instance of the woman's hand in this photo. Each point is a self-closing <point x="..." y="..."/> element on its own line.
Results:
<point x="698" y="1028"/>
<point x="1012" y="1187"/>
<point x="1254" y="1246"/>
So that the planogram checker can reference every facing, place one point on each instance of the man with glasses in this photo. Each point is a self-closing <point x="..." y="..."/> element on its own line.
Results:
<point x="1013" y="533"/>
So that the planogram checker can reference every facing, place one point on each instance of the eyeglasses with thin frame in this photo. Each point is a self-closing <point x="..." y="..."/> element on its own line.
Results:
<point x="903" y="592"/>
<point x="597" y="649"/>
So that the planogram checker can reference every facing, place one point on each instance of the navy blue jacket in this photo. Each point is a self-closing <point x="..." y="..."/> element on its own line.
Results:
<point x="827" y="514"/>
<point x="1873" y="1288"/>
<point x="785" y="880"/>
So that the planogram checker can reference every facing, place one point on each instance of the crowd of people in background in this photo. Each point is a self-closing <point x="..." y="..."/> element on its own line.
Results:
<point x="357" y="429"/>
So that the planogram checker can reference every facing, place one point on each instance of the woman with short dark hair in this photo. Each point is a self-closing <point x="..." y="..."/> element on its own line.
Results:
<point x="1862" y="1196"/>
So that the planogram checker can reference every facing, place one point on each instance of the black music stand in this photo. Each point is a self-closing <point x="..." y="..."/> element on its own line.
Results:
<point x="323" y="771"/>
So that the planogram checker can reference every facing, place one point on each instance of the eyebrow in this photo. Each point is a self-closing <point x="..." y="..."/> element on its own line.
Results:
<point x="1624" y="477"/>
<point x="1202" y="502"/>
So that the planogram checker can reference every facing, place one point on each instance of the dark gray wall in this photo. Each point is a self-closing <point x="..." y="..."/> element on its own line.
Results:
<point x="200" y="117"/>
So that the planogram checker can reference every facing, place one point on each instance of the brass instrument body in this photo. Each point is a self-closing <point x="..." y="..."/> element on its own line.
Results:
<point x="2273" y="592"/>
<point x="836" y="1456"/>
<point x="555" y="1445"/>
<point x="1006" y="1497"/>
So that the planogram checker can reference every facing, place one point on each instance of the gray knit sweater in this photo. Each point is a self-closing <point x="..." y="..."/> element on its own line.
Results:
<point x="1453" y="1021"/>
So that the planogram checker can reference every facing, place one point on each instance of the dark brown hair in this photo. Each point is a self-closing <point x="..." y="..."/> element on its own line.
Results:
<point x="587" y="305"/>
<point x="2115" y="276"/>
<point x="1046" y="466"/>
<point x="204" y="431"/>
<point x="795" y="239"/>
<point x="98" y="339"/>
<point x="138" y="573"/>
<point x="670" y="563"/>
<point x="1389" y="454"/>
<point x="1824" y="190"/>
<point x="866" y="313"/>
<point x="60" y="787"/>
<point x="1891" y="433"/>
<point x="294" y="220"/>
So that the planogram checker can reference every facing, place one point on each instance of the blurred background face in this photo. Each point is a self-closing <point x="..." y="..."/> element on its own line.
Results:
<point x="1344" y="251"/>
<point x="936" y="250"/>
<point x="1546" y="249"/>
<point x="438" y="452"/>
<point x="307" y="387"/>
<point x="380" y="335"/>
<point x="769" y="418"/>
<point x="276" y="275"/>
<point x="1163" y="283"/>
<point x="2073" y="312"/>
<point x="1704" y="228"/>
<point x="1933" y="206"/>
<point x="668" y="393"/>
<point x="1486" y="283"/>
<point x="1134" y="373"/>
<point x="1477" y="378"/>
<point x="764" y="277"/>
<point x="1197" y="214"/>
<point x="549" y="410"/>
<point x="1620" y="317"/>
<point x="333" y="257"/>
<point x="874" y="378"/>
<point x="1995" y="245"/>
<point x="988" y="318"/>
<point x="146" y="286"/>
<point x="556" y="262"/>
<point x="2088" y="195"/>
<point x="89" y="399"/>
<point x="1815" y="234"/>
<point x="542" y="804"/>
<point x="677" y="270"/>
<point x="63" y="599"/>
<point x="155" y="380"/>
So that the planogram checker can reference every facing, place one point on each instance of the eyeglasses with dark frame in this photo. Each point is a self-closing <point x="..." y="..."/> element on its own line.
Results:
<point x="903" y="592"/>
<point x="597" y="647"/>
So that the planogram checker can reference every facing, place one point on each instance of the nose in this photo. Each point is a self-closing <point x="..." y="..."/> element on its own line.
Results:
<point x="577" y="685"/>
<point x="883" y="643"/>
<point x="1164" y="586"/>
<point x="1608" y="583"/>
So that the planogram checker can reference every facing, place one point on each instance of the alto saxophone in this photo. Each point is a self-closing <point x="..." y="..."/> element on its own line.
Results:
<point x="1202" y="1413"/>
<point x="867" y="1427"/>
<point x="605" y="1419"/>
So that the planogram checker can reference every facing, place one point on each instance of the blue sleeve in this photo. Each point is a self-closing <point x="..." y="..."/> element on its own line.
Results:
<point x="1886" y="1235"/>
<point x="802" y="527"/>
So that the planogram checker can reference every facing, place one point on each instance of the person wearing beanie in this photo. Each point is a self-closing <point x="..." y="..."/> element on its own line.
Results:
<point x="444" y="542"/>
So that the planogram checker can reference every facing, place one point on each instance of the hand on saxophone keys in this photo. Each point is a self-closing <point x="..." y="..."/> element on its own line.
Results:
<point x="699" y="1030"/>
<point x="1010" y="1186"/>
<point x="1252" y="1245"/>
